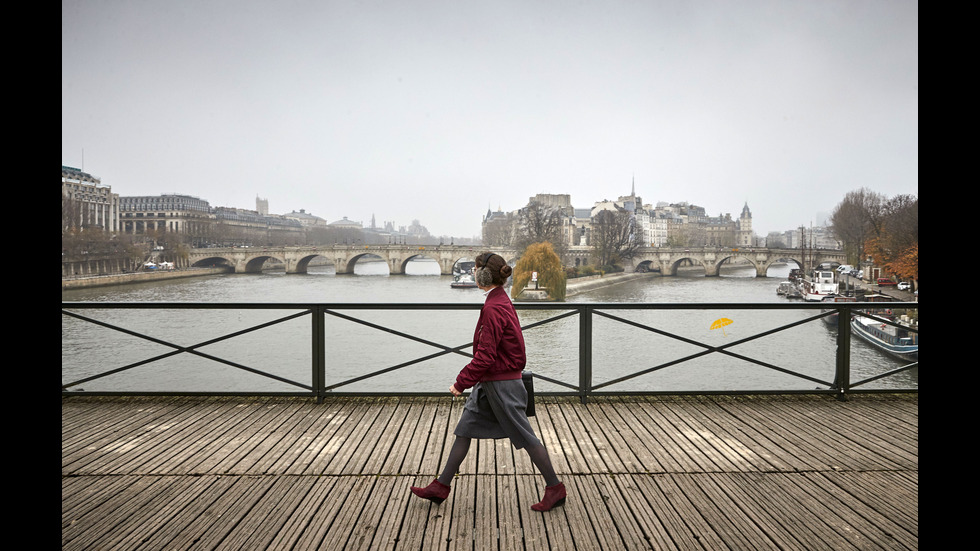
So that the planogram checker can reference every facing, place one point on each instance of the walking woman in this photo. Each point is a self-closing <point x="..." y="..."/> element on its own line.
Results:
<point x="496" y="405"/>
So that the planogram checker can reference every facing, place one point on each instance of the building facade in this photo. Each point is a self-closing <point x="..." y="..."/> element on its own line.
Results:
<point x="157" y="215"/>
<point x="87" y="202"/>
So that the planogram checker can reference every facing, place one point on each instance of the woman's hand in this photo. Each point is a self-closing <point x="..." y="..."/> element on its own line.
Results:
<point x="455" y="392"/>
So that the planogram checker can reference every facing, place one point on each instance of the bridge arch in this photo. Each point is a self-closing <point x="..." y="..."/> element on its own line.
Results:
<point x="346" y="266"/>
<point x="212" y="261"/>
<point x="302" y="264"/>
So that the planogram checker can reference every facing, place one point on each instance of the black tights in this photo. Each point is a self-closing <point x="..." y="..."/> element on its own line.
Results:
<point x="538" y="454"/>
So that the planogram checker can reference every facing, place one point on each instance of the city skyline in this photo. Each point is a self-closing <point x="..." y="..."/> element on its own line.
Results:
<point x="445" y="110"/>
<point x="397" y="222"/>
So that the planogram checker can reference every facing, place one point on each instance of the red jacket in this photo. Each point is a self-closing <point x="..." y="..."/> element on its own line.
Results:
<point x="498" y="344"/>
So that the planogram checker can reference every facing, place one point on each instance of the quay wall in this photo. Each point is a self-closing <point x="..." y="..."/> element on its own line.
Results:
<point x="137" y="277"/>
<point x="582" y="284"/>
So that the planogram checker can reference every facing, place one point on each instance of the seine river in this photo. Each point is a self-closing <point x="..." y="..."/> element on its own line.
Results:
<point x="354" y="350"/>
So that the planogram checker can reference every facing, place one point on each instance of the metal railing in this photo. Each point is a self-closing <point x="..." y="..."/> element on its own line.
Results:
<point x="318" y="387"/>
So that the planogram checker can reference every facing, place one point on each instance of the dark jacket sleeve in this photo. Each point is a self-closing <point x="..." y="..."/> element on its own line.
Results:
<point x="485" y="349"/>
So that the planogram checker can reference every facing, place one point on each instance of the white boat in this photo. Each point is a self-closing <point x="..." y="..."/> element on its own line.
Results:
<point x="784" y="288"/>
<point x="895" y="341"/>
<point x="463" y="281"/>
<point x="818" y="285"/>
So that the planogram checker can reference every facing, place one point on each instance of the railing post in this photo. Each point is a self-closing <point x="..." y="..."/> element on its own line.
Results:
<point x="842" y="376"/>
<point x="585" y="352"/>
<point x="319" y="353"/>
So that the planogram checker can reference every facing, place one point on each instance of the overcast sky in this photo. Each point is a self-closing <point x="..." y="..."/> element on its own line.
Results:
<point x="438" y="110"/>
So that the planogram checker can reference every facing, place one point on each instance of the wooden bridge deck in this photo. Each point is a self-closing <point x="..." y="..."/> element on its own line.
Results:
<point x="776" y="472"/>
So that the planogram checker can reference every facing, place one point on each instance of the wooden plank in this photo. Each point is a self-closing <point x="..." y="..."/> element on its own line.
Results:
<point x="332" y="455"/>
<point x="224" y="515"/>
<point x="303" y="435"/>
<point x="511" y="533"/>
<point x="641" y="443"/>
<point x="594" y="449"/>
<point x="725" y="518"/>
<point x="788" y="439"/>
<point x="618" y="455"/>
<point x="892" y="519"/>
<point x="350" y="507"/>
<point x="189" y="441"/>
<point x="549" y="435"/>
<point x="311" y="509"/>
<point x="82" y="495"/>
<point x="781" y="452"/>
<point x="672" y="438"/>
<point x="410" y="412"/>
<point x="586" y="521"/>
<point x="435" y="444"/>
<point x="413" y="447"/>
<point x="687" y="523"/>
<point x="90" y="523"/>
<point x="389" y="505"/>
<point x="463" y="513"/>
<point x="273" y="439"/>
<point x="322" y="442"/>
<point x="117" y="447"/>
<point x="575" y="446"/>
<point x="744" y="488"/>
<point x="548" y="530"/>
<point x="815" y="513"/>
<point x="185" y="514"/>
<point x="371" y="442"/>
<point x="820" y="427"/>
<point x="95" y="428"/>
<point x="686" y="421"/>
<point x="787" y="522"/>
<point x="157" y="519"/>
<point x="752" y="453"/>
<point x="646" y="510"/>
<point x="372" y="527"/>
<point x="416" y="528"/>
<point x="264" y="518"/>
<point x="182" y="439"/>
<point x="436" y="521"/>
<point x="620" y="514"/>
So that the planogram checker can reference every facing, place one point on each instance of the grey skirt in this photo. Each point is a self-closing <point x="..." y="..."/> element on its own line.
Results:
<point x="496" y="409"/>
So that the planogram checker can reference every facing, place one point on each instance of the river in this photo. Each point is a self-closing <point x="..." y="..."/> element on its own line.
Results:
<point x="354" y="350"/>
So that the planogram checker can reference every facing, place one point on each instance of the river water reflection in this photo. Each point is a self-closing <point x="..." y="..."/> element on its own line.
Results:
<point x="354" y="350"/>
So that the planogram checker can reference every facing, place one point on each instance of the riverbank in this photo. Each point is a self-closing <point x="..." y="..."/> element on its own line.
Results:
<point x="137" y="277"/>
<point x="583" y="284"/>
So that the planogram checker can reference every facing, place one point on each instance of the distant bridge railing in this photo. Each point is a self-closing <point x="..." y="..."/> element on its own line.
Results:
<point x="317" y="385"/>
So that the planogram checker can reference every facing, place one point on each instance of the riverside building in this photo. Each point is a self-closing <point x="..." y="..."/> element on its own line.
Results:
<point x="88" y="203"/>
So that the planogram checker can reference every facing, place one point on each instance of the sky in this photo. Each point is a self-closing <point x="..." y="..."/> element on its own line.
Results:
<point x="438" y="110"/>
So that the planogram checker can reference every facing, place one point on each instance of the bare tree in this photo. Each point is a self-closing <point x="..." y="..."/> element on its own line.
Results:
<point x="614" y="237"/>
<point x="537" y="223"/>
<point x="856" y="219"/>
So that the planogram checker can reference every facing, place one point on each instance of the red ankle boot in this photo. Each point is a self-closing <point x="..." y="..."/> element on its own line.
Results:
<point x="554" y="496"/>
<point x="436" y="492"/>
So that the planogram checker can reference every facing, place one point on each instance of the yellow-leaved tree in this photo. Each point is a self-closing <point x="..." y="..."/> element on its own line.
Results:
<point x="540" y="258"/>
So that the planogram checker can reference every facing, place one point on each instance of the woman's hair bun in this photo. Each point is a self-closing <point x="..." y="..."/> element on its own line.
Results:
<point x="506" y="270"/>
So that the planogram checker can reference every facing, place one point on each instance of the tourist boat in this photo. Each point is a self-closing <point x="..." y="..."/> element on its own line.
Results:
<point x="463" y="281"/>
<point x="818" y="285"/>
<point x="895" y="341"/>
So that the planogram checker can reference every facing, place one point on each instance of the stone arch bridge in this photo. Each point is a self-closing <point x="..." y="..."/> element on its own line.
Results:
<point x="344" y="257"/>
<point x="667" y="261"/>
